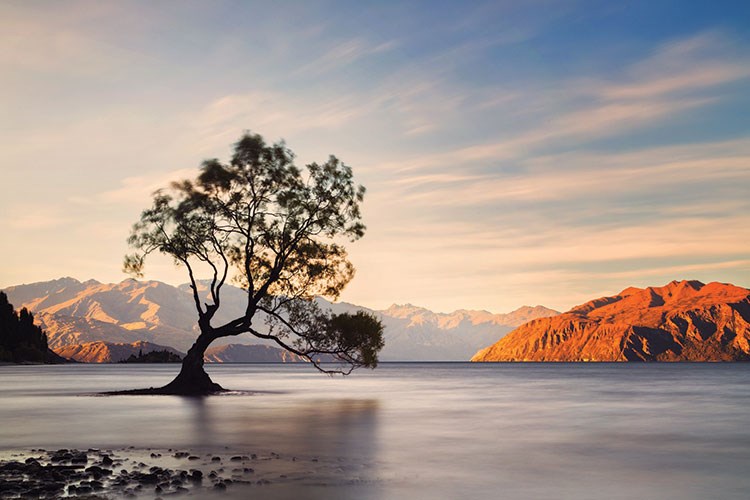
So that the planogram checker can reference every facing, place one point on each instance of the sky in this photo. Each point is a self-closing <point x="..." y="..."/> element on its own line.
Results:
<point x="514" y="153"/>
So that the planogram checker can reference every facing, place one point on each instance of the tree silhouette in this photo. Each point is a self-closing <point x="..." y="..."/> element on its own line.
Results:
<point x="276" y="230"/>
<point x="20" y="339"/>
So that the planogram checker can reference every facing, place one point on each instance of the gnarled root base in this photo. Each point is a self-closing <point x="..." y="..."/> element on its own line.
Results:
<point x="187" y="383"/>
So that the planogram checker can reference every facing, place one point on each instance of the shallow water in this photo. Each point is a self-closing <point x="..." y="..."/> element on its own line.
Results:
<point x="410" y="430"/>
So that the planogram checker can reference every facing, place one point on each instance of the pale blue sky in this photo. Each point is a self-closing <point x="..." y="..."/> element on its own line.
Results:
<point x="541" y="152"/>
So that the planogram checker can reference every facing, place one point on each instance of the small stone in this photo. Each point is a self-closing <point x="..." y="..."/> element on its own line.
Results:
<point x="84" y="489"/>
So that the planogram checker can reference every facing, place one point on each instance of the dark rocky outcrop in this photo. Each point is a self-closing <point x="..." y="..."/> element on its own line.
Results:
<point x="21" y="341"/>
<point x="162" y="356"/>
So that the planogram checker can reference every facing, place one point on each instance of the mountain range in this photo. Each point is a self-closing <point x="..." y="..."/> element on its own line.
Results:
<point x="74" y="313"/>
<point x="681" y="321"/>
<point x="114" y="352"/>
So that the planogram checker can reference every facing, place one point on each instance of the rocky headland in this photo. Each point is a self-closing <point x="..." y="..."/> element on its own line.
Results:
<point x="681" y="321"/>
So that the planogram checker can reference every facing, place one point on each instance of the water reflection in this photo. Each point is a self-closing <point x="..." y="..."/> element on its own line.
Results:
<point x="345" y="428"/>
<point x="420" y="431"/>
<point x="330" y="442"/>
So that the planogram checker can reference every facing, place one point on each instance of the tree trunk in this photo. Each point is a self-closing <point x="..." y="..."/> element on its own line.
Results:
<point x="193" y="379"/>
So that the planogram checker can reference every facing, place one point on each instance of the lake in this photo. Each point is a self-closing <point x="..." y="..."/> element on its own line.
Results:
<point x="417" y="430"/>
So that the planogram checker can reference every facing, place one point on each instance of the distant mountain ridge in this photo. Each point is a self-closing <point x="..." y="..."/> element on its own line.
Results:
<point x="681" y="321"/>
<point x="75" y="312"/>
<point x="242" y="353"/>
<point x="417" y="334"/>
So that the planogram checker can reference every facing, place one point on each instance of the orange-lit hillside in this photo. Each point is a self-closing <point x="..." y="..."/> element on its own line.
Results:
<point x="682" y="321"/>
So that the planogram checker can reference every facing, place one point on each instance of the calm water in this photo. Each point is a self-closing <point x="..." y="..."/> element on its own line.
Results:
<point x="655" y="431"/>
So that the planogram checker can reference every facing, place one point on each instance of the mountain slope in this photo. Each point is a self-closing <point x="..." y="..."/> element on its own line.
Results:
<point x="109" y="352"/>
<point x="73" y="312"/>
<point x="681" y="321"/>
<point x="240" y="353"/>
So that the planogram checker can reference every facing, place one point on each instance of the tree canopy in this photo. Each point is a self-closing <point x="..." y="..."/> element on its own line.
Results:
<point x="275" y="230"/>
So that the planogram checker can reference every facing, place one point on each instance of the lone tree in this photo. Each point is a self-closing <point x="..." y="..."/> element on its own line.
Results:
<point x="276" y="231"/>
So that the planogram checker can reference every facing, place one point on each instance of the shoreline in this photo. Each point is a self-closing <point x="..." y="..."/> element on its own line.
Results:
<point x="131" y="472"/>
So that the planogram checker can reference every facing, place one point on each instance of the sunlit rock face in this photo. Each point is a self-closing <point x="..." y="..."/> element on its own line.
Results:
<point x="109" y="352"/>
<point x="681" y="321"/>
<point x="74" y="312"/>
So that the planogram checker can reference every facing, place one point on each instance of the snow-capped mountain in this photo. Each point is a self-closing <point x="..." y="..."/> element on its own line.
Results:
<point x="75" y="312"/>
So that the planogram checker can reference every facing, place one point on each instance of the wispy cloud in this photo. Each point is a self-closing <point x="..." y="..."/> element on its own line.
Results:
<point x="49" y="41"/>
<point x="507" y="159"/>
<point x="692" y="64"/>
<point x="136" y="190"/>
<point x="680" y="77"/>
<point x="571" y="176"/>
<point x="274" y="113"/>
<point x="36" y="218"/>
<point x="344" y="53"/>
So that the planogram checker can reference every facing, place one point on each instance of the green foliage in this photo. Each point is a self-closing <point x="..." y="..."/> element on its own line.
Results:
<point x="361" y="332"/>
<point x="277" y="231"/>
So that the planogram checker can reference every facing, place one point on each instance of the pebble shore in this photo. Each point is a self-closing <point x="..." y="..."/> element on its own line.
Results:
<point x="145" y="473"/>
